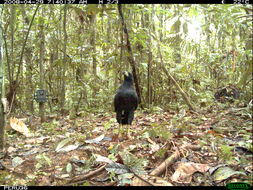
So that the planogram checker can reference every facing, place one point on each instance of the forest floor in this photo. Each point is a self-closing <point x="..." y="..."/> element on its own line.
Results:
<point x="212" y="147"/>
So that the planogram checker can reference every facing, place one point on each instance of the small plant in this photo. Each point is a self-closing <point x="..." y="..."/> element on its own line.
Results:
<point x="159" y="131"/>
<point x="80" y="137"/>
<point x="136" y="164"/>
<point x="112" y="175"/>
<point x="108" y="124"/>
<point x="226" y="153"/>
<point x="4" y="177"/>
<point x="43" y="161"/>
<point x="50" y="127"/>
<point x="161" y="152"/>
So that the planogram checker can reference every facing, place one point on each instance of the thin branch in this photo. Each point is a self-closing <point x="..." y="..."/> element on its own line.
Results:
<point x="23" y="48"/>
<point x="81" y="179"/>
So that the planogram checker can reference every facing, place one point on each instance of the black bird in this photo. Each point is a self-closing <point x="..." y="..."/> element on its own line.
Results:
<point x="125" y="101"/>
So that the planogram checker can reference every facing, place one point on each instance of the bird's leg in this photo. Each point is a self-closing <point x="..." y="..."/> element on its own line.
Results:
<point x="130" y="119"/>
<point x="128" y="134"/>
<point x="120" y="128"/>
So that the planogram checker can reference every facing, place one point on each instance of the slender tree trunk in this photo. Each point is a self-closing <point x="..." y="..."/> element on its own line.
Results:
<point x="42" y="72"/>
<point x="11" y="64"/>
<point x="177" y="47"/>
<point x="185" y="97"/>
<point x="11" y="96"/>
<point x="93" y="44"/>
<point x="94" y="56"/>
<point x="147" y="23"/>
<point x="12" y="21"/>
<point x="121" y="53"/>
<point x="29" y="84"/>
<point x="3" y="100"/>
<point x="24" y="44"/>
<point x="130" y="56"/>
<point x="29" y="69"/>
<point x="64" y="65"/>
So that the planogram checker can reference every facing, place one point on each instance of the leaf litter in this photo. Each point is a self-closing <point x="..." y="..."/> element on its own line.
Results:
<point x="165" y="148"/>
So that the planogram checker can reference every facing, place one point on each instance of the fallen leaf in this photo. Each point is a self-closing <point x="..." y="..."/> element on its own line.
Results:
<point x="62" y="144"/>
<point x="154" y="148"/>
<point x="223" y="173"/>
<point x="17" y="161"/>
<point x="103" y="159"/>
<point x="96" y="140"/>
<point x="183" y="173"/>
<point x="117" y="168"/>
<point x="11" y="149"/>
<point x="69" y="167"/>
<point x="152" y="181"/>
<point x="19" y="126"/>
<point x="36" y="140"/>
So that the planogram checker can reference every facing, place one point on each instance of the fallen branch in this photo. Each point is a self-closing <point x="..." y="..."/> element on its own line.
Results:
<point x="169" y="161"/>
<point x="192" y="147"/>
<point x="173" y="158"/>
<point x="82" y="179"/>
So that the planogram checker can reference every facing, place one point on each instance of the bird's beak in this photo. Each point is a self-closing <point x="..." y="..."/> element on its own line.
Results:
<point x="125" y="73"/>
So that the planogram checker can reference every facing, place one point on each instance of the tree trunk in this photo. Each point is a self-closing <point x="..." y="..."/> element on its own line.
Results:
<point x="11" y="96"/>
<point x="29" y="74"/>
<point x="185" y="97"/>
<point x="42" y="75"/>
<point x="29" y="104"/>
<point x="64" y="64"/>
<point x="12" y="24"/>
<point x="150" y="57"/>
<point x="3" y="100"/>
<point x="94" y="58"/>
<point x="130" y="56"/>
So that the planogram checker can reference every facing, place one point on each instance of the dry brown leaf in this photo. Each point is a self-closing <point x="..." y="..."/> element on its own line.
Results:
<point x="153" y="181"/>
<point x="19" y="126"/>
<point x="183" y="173"/>
<point x="11" y="149"/>
<point x="38" y="140"/>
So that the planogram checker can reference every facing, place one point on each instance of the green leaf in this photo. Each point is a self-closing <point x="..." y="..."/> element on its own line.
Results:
<point x="17" y="161"/>
<point x="69" y="167"/>
<point x="117" y="168"/>
<point x="224" y="173"/>
<point x="62" y="144"/>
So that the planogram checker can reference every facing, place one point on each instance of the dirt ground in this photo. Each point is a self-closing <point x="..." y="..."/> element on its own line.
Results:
<point x="211" y="148"/>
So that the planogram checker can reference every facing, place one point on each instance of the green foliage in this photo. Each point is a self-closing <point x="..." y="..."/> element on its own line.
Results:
<point x="226" y="153"/>
<point x="157" y="130"/>
<point x="112" y="176"/>
<point x="42" y="161"/>
<point x="161" y="152"/>
<point x="114" y="149"/>
<point x="5" y="177"/>
<point x="153" y="109"/>
<point x="195" y="45"/>
<point x="125" y="179"/>
<point x="132" y="164"/>
<point x="109" y="124"/>
<point x="250" y="147"/>
<point x="52" y="127"/>
<point x="81" y="137"/>
<point x="86" y="184"/>
<point x="136" y="164"/>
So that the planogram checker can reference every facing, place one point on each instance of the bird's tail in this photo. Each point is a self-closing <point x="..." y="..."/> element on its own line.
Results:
<point x="124" y="114"/>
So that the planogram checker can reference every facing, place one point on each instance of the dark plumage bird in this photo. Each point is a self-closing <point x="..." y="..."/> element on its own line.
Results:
<point x="126" y="101"/>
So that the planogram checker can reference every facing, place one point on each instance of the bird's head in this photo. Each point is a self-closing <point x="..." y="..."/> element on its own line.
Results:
<point x="128" y="76"/>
